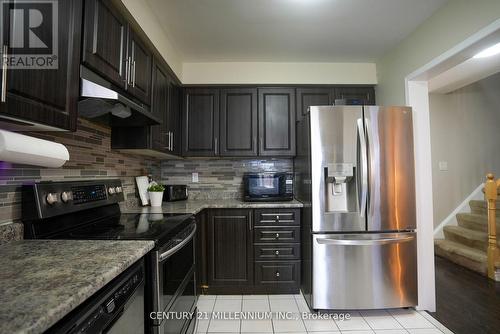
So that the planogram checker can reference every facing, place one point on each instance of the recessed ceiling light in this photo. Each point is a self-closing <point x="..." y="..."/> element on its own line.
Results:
<point x="488" y="52"/>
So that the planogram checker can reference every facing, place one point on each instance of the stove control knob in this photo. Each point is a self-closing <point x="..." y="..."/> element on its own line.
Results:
<point x="51" y="198"/>
<point x="118" y="190"/>
<point x="66" y="196"/>
<point x="111" y="190"/>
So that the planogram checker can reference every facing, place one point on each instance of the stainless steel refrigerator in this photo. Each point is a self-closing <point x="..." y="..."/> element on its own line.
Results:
<point x="354" y="173"/>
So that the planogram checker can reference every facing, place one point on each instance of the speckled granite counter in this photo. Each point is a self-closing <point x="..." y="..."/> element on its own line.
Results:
<point x="10" y="232"/>
<point x="195" y="206"/>
<point x="43" y="280"/>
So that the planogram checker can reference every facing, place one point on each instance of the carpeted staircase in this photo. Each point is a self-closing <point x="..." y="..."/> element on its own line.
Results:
<point x="466" y="243"/>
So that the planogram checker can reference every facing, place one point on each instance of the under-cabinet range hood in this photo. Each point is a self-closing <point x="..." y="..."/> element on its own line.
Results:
<point x="102" y="101"/>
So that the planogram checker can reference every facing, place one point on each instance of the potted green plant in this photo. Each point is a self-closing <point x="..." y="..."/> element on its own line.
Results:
<point x="155" y="192"/>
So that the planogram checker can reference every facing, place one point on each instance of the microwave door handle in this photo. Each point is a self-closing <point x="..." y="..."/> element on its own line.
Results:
<point x="362" y="166"/>
<point x="173" y="250"/>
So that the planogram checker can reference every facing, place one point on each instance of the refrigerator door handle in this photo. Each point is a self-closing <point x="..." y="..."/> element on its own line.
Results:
<point x="364" y="242"/>
<point x="362" y="166"/>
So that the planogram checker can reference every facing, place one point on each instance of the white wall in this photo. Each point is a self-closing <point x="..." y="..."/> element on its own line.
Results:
<point x="448" y="26"/>
<point x="147" y="20"/>
<point x="278" y="73"/>
<point x="465" y="132"/>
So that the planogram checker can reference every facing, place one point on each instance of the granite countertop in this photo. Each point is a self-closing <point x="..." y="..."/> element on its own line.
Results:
<point x="195" y="206"/>
<point x="43" y="280"/>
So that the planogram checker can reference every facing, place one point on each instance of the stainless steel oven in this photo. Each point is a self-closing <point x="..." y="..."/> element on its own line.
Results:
<point x="174" y="286"/>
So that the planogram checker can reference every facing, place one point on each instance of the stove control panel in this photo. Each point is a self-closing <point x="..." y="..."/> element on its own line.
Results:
<point x="91" y="193"/>
<point x="49" y="199"/>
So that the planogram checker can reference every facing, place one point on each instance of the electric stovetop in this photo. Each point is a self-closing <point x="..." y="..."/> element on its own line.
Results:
<point x="160" y="228"/>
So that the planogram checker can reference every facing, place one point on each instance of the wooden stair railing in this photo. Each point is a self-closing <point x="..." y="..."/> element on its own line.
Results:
<point x="491" y="193"/>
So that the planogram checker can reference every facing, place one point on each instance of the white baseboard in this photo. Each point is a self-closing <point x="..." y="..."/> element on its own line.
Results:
<point x="477" y="194"/>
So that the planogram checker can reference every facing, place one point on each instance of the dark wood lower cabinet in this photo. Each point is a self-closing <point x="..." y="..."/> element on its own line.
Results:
<point x="234" y="256"/>
<point x="277" y="275"/>
<point x="230" y="253"/>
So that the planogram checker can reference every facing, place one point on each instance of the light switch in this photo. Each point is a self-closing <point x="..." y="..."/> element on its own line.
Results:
<point x="443" y="165"/>
<point x="195" y="177"/>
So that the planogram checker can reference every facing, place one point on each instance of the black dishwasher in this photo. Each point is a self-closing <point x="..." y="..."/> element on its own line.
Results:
<point x="116" y="308"/>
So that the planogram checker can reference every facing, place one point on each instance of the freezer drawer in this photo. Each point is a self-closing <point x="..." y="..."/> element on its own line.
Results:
<point x="364" y="271"/>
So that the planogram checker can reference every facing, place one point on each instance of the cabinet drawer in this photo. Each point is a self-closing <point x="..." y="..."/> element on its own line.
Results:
<point x="277" y="234"/>
<point x="270" y="217"/>
<point x="277" y="252"/>
<point x="284" y="272"/>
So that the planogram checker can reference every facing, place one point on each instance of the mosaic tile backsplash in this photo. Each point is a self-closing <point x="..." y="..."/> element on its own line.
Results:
<point x="218" y="178"/>
<point x="91" y="157"/>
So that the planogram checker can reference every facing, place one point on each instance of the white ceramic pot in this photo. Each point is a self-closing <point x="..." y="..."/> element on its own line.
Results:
<point x="156" y="198"/>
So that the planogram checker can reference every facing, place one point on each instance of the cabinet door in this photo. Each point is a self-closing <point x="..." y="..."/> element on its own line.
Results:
<point x="200" y="122"/>
<point x="277" y="122"/>
<point x="159" y="107"/>
<point x="140" y="68"/>
<point x="356" y="95"/>
<point x="230" y="251"/>
<point x="46" y="97"/>
<point x="104" y="48"/>
<point x="238" y="122"/>
<point x="307" y="97"/>
<point x="174" y="116"/>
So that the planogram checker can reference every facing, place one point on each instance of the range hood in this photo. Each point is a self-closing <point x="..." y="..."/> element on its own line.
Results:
<point x="102" y="101"/>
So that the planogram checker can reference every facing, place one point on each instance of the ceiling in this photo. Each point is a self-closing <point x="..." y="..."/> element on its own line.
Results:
<point x="289" y="30"/>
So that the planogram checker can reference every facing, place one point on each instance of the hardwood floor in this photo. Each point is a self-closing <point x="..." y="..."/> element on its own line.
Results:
<point x="466" y="301"/>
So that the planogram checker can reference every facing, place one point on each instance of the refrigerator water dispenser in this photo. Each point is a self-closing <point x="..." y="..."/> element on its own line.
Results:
<point x="340" y="187"/>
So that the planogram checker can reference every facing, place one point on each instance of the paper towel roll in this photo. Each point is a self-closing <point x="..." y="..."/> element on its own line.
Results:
<point x="21" y="149"/>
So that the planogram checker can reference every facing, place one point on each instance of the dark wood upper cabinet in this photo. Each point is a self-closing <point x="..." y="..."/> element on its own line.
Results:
<point x="238" y="122"/>
<point x="307" y="97"/>
<point x="356" y="95"/>
<point x="105" y="41"/>
<point x="159" y="107"/>
<point x="277" y="122"/>
<point x="45" y="99"/>
<point x="174" y="116"/>
<point x="200" y="122"/>
<point x="113" y="50"/>
<point x="139" y="84"/>
<point x="230" y="248"/>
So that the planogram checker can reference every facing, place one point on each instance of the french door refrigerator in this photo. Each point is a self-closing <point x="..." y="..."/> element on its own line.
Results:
<point x="354" y="173"/>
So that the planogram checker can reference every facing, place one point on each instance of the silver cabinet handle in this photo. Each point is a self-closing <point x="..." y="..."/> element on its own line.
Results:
<point x="216" y="146"/>
<point x="277" y="274"/>
<point x="277" y="235"/>
<point x="129" y="78"/>
<point x="364" y="242"/>
<point x="172" y="141"/>
<point x="126" y="70"/>
<point x="133" y="74"/>
<point x="277" y="252"/>
<point x="168" y="138"/>
<point x="362" y="166"/>
<point x="4" y="73"/>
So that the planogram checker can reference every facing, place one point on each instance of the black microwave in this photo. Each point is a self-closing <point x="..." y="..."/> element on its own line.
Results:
<point x="268" y="186"/>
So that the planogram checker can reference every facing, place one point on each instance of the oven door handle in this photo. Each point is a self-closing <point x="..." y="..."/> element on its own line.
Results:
<point x="173" y="250"/>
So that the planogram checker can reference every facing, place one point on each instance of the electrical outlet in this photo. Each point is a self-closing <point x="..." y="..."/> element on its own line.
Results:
<point x="194" y="177"/>
<point x="443" y="165"/>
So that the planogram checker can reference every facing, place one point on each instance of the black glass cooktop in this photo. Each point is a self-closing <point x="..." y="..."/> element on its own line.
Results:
<point x="154" y="226"/>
